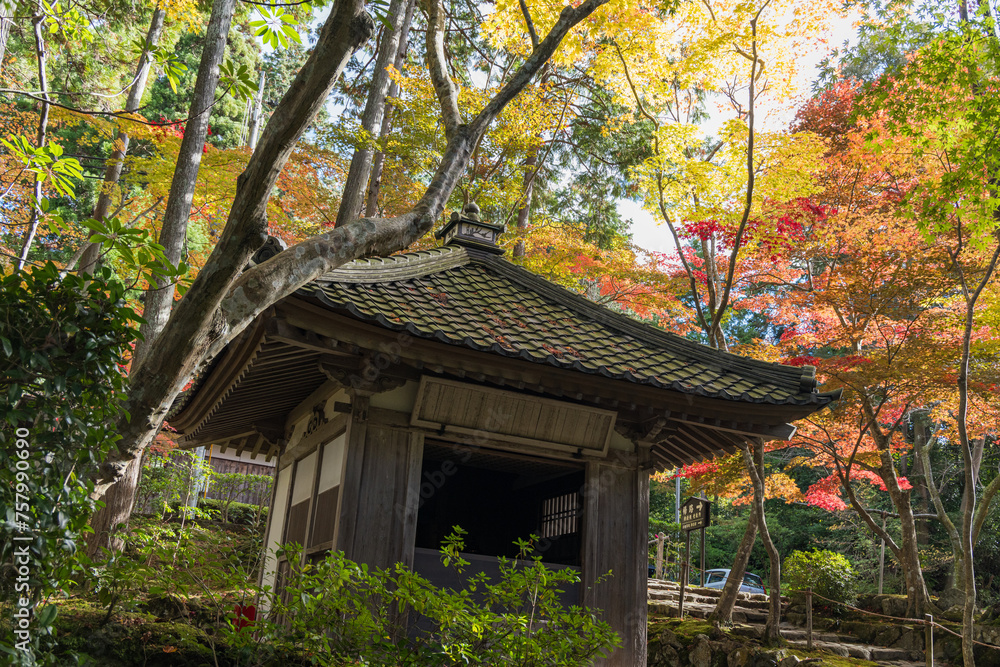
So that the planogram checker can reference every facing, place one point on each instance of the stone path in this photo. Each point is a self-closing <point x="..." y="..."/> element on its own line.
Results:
<point x="751" y="613"/>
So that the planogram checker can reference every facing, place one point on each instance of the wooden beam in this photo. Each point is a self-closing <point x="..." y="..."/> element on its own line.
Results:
<point x="238" y="356"/>
<point x="707" y="441"/>
<point x="189" y="442"/>
<point x="773" y="431"/>
<point x="258" y="443"/>
<point x="689" y="452"/>
<point x="273" y="431"/>
<point x="279" y="329"/>
<point x="668" y="461"/>
<point x="307" y="444"/>
<point x="324" y="391"/>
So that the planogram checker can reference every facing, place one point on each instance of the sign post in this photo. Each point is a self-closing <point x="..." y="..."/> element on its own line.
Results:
<point x="696" y="514"/>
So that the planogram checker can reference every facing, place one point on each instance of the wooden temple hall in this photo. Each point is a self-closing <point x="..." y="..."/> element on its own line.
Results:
<point x="405" y="395"/>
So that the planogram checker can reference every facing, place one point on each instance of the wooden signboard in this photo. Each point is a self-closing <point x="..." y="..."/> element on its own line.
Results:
<point x="696" y="513"/>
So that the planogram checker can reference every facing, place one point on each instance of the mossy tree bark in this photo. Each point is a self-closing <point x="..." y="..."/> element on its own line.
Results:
<point x="224" y="299"/>
<point x="723" y="612"/>
<point x="159" y="298"/>
<point x="755" y="466"/>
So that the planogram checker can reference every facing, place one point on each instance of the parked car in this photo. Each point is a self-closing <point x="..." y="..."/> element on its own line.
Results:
<point x="752" y="583"/>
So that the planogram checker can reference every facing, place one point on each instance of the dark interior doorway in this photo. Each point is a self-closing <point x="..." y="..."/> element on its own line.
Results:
<point x="498" y="498"/>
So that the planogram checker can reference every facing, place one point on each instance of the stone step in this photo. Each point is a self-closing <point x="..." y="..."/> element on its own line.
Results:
<point x="750" y="615"/>
<point x="697" y="610"/>
<point x="798" y="634"/>
<point x="658" y="585"/>
<point x="674" y="595"/>
<point x="877" y="654"/>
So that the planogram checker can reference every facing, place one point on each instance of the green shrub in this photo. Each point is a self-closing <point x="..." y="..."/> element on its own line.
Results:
<point x="244" y="514"/>
<point x="828" y="573"/>
<point x="64" y="341"/>
<point x="226" y="487"/>
<point x="336" y="612"/>
<point x="168" y="480"/>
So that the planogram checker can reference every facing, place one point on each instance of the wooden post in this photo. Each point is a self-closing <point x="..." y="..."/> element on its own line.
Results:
<point x="702" y="578"/>
<point x="809" y="618"/>
<point x="659" y="555"/>
<point x="929" y="640"/>
<point x="881" y="558"/>
<point x="685" y="569"/>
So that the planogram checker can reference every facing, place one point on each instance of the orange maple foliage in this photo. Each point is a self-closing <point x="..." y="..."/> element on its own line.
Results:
<point x="867" y="297"/>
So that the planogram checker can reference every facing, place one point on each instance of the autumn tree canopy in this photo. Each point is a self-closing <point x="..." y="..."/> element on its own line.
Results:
<point x="162" y="143"/>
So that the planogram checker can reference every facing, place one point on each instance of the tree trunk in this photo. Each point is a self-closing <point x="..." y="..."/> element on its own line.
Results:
<point x="43" y="121"/>
<point x="772" y="629"/>
<point x="921" y="485"/>
<point x="256" y="113"/>
<point x="109" y="519"/>
<point x="972" y="451"/>
<point x="378" y="160"/>
<point x="723" y="612"/>
<point x="159" y="298"/>
<point x="527" y="189"/>
<point x="5" y="24"/>
<point x="356" y="185"/>
<point x="956" y="580"/>
<point x="907" y="551"/>
<point x="224" y="299"/>
<point x="113" y="170"/>
<point x="917" y="597"/>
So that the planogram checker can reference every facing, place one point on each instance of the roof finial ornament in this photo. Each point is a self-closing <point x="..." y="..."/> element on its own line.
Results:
<point x="471" y="212"/>
<point x="467" y="229"/>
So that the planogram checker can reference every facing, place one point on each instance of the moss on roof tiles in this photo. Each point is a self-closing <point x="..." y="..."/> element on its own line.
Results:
<point x="485" y="303"/>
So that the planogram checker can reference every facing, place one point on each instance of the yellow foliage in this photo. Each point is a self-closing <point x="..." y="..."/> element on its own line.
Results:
<point x="184" y="12"/>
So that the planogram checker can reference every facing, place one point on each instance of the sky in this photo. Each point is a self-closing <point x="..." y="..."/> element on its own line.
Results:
<point x="647" y="232"/>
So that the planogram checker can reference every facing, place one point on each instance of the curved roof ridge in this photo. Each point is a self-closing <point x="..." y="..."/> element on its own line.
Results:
<point x="398" y="267"/>
<point x="477" y="300"/>
<point x="629" y="326"/>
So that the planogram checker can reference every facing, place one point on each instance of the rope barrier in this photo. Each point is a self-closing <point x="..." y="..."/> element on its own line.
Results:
<point x="916" y="621"/>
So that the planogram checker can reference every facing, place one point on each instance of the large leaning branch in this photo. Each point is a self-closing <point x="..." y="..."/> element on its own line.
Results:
<point x="222" y="302"/>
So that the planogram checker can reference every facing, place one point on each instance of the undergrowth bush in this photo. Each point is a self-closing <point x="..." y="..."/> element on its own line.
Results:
<point x="226" y="487"/>
<point x="64" y="341"/>
<point x="244" y="514"/>
<point x="828" y="573"/>
<point x="336" y="612"/>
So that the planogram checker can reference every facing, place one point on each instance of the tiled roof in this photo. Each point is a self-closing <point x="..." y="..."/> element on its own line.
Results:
<point x="483" y="302"/>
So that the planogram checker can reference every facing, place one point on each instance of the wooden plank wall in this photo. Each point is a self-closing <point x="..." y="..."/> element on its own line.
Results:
<point x="524" y="419"/>
<point x="380" y="492"/>
<point x="616" y="516"/>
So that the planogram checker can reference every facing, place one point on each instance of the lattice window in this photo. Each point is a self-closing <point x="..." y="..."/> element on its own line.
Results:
<point x="561" y="515"/>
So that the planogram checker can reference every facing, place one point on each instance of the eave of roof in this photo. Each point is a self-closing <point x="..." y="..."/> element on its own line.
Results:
<point x="463" y="297"/>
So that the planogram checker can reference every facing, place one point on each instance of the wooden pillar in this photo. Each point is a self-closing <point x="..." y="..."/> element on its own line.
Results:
<point x="379" y="492"/>
<point x="616" y="517"/>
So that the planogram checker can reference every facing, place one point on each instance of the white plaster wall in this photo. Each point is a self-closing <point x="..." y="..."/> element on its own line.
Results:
<point x="333" y="463"/>
<point x="304" y="476"/>
<point x="277" y="524"/>
<point x="401" y="398"/>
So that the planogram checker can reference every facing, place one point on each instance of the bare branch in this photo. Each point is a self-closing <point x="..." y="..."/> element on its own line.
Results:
<point x="530" y="23"/>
